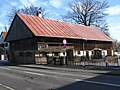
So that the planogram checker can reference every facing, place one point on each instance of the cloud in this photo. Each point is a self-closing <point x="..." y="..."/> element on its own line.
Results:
<point x="68" y="9"/>
<point x="56" y="3"/>
<point x="25" y="2"/>
<point x="28" y="2"/>
<point x="44" y="3"/>
<point x="114" y="30"/>
<point x="55" y="16"/>
<point x="14" y="3"/>
<point x="3" y="14"/>
<point x="115" y="10"/>
<point x="1" y="25"/>
<point x="37" y="3"/>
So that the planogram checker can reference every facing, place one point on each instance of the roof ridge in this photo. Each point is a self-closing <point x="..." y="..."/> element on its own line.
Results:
<point x="54" y="28"/>
<point x="55" y="20"/>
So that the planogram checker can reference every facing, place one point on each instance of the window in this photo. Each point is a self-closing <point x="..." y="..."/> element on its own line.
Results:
<point x="78" y="52"/>
<point x="28" y="54"/>
<point x="63" y="53"/>
<point x="56" y="53"/>
<point x="92" y="52"/>
<point x="21" y="54"/>
<point x="97" y="54"/>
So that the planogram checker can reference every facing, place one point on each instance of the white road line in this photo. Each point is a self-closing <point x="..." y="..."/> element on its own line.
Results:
<point x="109" y="84"/>
<point x="87" y="81"/>
<point x="78" y="80"/>
<point x="51" y="72"/>
<point x="101" y="83"/>
<point x="34" y="73"/>
<point x="53" y="76"/>
<point x="59" y="73"/>
<point x="116" y="68"/>
<point x="6" y="87"/>
<point x="5" y="68"/>
<point x="67" y="74"/>
<point x="94" y="82"/>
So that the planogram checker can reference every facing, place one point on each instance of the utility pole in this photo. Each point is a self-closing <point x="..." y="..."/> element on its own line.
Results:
<point x="85" y="40"/>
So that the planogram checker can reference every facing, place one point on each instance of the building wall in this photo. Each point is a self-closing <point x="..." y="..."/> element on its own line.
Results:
<point x="2" y="38"/>
<point x="20" y="48"/>
<point x="22" y="51"/>
<point x="4" y="49"/>
<point x="23" y="44"/>
<point x="22" y="57"/>
<point x="18" y="30"/>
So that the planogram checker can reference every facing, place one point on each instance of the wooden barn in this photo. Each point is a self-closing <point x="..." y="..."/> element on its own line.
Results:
<point x="38" y="40"/>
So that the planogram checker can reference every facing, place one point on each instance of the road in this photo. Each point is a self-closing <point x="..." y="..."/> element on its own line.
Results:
<point x="22" y="78"/>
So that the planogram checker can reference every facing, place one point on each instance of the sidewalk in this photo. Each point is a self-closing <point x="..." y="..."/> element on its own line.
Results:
<point x="104" y="70"/>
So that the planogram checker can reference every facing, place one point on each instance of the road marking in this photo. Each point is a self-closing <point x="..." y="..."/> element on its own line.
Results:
<point x="56" y="72"/>
<point x="101" y="83"/>
<point x="108" y="84"/>
<point x="67" y="74"/>
<point x="116" y="68"/>
<point x="87" y="81"/>
<point x="53" y="76"/>
<point x="34" y="73"/>
<point x="78" y="80"/>
<point x="6" y="87"/>
<point x="5" y="68"/>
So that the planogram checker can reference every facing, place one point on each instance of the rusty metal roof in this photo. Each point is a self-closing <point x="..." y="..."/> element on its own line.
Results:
<point x="53" y="28"/>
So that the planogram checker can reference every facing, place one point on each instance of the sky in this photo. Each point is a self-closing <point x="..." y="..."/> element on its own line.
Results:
<point x="56" y="8"/>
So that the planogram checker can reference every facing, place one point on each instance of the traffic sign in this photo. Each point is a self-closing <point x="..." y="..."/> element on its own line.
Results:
<point x="64" y="41"/>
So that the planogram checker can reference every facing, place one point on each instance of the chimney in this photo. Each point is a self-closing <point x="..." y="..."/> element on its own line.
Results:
<point x="39" y="13"/>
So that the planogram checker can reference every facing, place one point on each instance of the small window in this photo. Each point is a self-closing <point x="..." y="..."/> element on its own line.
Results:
<point x="78" y="52"/>
<point x="63" y="53"/>
<point x="92" y="52"/>
<point x="21" y="54"/>
<point x="28" y="54"/>
<point x="56" y="53"/>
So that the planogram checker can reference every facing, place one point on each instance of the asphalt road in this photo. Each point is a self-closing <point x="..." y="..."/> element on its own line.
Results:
<point x="21" y="78"/>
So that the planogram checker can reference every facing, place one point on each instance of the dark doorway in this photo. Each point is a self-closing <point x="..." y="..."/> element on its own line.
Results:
<point x="69" y="56"/>
<point x="97" y="54"/>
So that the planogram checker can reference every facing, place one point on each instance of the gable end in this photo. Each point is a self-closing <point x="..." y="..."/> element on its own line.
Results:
<point x="18" y="30"/>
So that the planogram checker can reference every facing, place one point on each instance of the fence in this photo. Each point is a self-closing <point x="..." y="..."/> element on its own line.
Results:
<point x="107" y="61"/>
<point x="83" y="61"/>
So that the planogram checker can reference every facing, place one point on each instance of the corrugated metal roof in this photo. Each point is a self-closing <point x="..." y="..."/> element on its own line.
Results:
<point x="52" y="28"/>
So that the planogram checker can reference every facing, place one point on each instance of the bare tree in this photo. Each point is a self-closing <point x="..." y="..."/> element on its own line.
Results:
<point x="116" y="46"/>
<point x="88" y="13"/>
<point x="11" y="14"/>
<point x="31" y="10"/>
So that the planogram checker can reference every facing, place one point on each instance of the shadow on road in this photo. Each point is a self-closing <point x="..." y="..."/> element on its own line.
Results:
<point x="100" y="82"/>
<point x="106" y="81"/>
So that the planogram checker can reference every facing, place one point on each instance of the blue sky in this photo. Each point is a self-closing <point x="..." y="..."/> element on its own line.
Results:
<point x="56" y="8"/>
